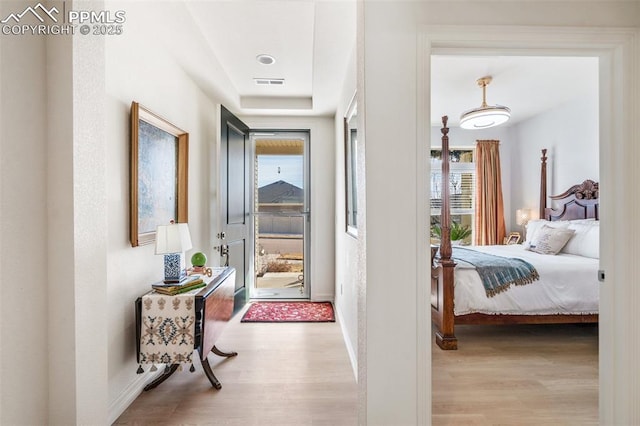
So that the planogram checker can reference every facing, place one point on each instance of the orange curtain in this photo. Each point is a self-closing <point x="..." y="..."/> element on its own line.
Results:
<point x="489" y="226"/>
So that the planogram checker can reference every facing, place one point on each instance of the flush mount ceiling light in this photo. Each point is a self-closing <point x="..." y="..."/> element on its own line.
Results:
<point x="265" y="59"/>
<point x="485" y="116"/>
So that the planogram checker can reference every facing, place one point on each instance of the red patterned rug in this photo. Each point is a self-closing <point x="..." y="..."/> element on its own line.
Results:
<point x="289" y="312"/>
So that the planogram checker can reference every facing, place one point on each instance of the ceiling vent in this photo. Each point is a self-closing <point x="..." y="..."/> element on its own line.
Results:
<point x="269" y="81"/>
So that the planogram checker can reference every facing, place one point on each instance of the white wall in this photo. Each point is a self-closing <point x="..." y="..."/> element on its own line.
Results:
<point x="137" y="69"/>
<point x="346" y="251"/>
<point x="77" y="230"/>
<point x="570" y="133"/>
<point x="393" y="228"/>
<point x="322" y="153"/>
<point x="54" y="221"/>
<point x="23" y="234"/>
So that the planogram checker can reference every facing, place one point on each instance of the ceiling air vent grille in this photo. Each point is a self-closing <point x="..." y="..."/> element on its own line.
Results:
<point x="269" y="81"/>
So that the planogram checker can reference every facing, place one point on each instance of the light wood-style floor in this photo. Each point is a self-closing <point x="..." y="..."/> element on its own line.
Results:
<point x="299" y="374"/>
<point x="285" y="374"/>
<point x="517" y="375"/>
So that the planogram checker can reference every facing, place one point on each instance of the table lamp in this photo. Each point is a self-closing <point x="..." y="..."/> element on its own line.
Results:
<point x="173" y="240"/>
<point x="522" y="218"/>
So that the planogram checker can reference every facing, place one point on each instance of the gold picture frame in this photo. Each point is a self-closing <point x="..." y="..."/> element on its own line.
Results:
<point x="513" y="238"/>
<point x="159" y="174"/>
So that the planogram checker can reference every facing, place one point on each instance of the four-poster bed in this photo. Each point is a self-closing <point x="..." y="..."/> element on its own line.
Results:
<point x="578" y="209"/>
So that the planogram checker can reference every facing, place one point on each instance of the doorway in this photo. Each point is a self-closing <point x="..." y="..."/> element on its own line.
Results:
<point x="520" y="148"/>
<point x="281" y="215"/>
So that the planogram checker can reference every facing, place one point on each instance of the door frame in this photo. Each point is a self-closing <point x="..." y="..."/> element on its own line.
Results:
<point x="618" y="53"/>
<point x="305" y="134"/>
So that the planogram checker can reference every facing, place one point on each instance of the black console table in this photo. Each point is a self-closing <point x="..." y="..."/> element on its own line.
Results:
<point x="213" y="309"/>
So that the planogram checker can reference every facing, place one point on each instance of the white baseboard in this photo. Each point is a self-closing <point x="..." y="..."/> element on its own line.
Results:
<point x="347" y="342"/>
<point x="130" y="393"/>
<point x="328" y="297"/>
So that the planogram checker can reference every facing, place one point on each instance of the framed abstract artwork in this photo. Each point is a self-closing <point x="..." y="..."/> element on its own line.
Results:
<point x="159" y="174"/>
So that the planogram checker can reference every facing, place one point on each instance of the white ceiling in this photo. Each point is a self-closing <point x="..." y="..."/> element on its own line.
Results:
<point x="313" y="42"/>
<point x="527" y="85"/>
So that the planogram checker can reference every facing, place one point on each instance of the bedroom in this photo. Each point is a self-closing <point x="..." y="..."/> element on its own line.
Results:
<point x="554" y="106"/>
<point x="557" y="100"/>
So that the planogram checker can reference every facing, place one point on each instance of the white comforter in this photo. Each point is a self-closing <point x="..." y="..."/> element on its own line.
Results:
<point x="568" y="284"/>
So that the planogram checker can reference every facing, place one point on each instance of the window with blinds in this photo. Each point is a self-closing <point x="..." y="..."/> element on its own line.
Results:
<point x="462" y="186"/>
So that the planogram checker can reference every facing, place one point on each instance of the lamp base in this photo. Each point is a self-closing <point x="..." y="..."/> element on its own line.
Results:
<point x="173" y="270"/>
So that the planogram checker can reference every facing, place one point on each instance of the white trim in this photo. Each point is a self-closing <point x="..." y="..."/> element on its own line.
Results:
<point x="307" y="241"/>
<point x="620" y="342"/>
<point x="345" y="336"/>
<point x="352" y="109"/>
<point x="215" y="202"/>
<point x="321" y="297"/>
<point x="619" y="53"/>
<point x="423" y="273"/>
<point x="130" y="393"/>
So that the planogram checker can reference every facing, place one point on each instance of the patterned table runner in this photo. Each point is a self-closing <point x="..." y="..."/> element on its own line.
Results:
<point x="168" y="328"/>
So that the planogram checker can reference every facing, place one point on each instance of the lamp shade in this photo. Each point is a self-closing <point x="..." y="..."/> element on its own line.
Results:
<point x="173" y="238"/>
<point x="484" y="116"/>
<point x="523" y="216"/>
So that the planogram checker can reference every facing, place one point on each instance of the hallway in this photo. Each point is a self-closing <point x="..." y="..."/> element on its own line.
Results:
<point x="284" y="374"/>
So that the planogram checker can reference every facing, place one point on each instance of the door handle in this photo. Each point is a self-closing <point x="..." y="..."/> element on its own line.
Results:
<point x="224" y="252"/>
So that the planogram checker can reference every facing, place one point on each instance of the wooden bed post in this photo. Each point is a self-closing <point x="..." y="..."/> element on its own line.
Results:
<point x="445" y="337"/>
<point x="543" y="184"/>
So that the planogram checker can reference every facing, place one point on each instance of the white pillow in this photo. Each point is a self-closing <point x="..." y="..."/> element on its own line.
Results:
<point x="591" y="246"/>
<point x="588" y="221"/>
<point x="533" y="226"/>
<point x="586" y="241"/>
<point x="575" y="243"/>
<point x="549" y="240"/>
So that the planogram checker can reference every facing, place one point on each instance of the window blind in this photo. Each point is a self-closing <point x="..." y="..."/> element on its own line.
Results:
<point x="462" y="187"/>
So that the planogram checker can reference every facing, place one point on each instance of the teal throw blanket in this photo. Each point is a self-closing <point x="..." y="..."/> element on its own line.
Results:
<point x="496" y="272"/>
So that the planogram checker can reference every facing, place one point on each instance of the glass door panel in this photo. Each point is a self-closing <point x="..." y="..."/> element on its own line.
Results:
<point x="281" y="216"/>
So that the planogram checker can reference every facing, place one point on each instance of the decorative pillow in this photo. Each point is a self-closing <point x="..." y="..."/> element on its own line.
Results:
<point x="549" y="240"/>
<point x="533" y="226"/>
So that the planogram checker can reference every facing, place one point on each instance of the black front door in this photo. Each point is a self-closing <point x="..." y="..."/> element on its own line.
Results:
<point x="235" y="203"/>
